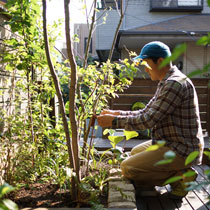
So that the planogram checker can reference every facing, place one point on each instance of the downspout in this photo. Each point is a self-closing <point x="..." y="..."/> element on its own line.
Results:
<point x="76" y="43"/>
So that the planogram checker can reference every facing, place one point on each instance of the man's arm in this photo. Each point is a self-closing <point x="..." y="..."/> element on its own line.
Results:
<point x="126" y="113"/>
<point x="165" y="103"/>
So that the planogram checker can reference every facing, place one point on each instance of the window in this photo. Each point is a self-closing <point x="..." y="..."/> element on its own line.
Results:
<point x="85" y="45"/>
<point x="176" y="5"/>
<point x="103" y="4"/>
<point x="189" y="3"/>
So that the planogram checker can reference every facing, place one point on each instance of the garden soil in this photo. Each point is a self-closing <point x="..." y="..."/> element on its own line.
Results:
<point x="46" y="195"/>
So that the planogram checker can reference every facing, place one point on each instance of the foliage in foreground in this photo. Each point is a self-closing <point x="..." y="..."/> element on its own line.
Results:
<point x="6" y="204"/>
<point x="32" y="134"/>
<point x="33" y="141"/>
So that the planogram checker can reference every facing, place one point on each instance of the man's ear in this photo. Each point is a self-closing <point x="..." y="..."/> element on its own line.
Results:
<point x="159" y="61"/>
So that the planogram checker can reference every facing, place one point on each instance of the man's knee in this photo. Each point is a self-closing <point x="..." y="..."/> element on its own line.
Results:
<point x="124" y="168"/>
<point x="133" y="151"/>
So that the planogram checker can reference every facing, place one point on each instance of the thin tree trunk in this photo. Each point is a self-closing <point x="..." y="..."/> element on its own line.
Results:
<point x="30" y="108"/>
<point x="60" y="99"/>
<point x="72" y="92"/>
<point x="86" y="132"/>
<point x="117" y="31"/>
<point x="90" y="35"/>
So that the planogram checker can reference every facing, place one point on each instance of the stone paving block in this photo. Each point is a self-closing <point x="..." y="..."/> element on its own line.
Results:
<point x="123" y="185"/>
<point x="58" y="208"/>
<point x="115" y="172"/>
<point x="114" y="178"/>
<point x="120" y="205"/>
<point x="115" y="196"/>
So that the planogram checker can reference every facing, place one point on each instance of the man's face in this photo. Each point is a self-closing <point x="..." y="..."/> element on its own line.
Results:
<point x="152" y="69"/>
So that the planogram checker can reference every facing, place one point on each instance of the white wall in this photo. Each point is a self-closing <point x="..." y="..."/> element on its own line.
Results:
<point x="105" y="32"/>
<point x="194" y="58"/>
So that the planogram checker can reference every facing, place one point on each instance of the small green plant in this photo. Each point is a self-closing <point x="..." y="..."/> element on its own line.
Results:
<point x="169" y="156"/>
<point x="206" y="181"/>
<point x="95" y="185"/>
<point x="114" y="140"/>
<point x="6" y="204"/>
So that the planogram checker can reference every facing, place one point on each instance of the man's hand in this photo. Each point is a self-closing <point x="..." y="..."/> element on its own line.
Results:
<point x="105" y="120"/>
<point x="110" y="112"/>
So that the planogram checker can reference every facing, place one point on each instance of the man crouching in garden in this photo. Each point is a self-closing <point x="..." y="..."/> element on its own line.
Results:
<point x="173" y="116"/>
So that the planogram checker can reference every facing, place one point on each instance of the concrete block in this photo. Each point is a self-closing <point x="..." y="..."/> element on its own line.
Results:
<point x="120" y="205"/>
<point x="117" y="196"/>
<point x="115" y="171"/>
<point x="123" y="185"/>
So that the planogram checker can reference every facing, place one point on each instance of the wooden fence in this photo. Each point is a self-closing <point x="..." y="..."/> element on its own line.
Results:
<point x="143" y="90"/>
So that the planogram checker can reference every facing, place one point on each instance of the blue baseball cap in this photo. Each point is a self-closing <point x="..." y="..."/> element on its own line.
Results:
<point x="154" y="49"/>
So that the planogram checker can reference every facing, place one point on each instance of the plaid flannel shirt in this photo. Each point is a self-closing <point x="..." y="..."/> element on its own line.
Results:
<point x="172" y="114"/>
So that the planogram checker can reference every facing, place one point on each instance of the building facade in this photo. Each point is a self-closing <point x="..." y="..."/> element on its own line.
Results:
<point x="82" y="32"/>
<point x="170" y="21"/>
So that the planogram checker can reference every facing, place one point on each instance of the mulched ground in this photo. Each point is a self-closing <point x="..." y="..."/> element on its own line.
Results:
<point x="45" y="195"/>
<point x="41" y="195"/>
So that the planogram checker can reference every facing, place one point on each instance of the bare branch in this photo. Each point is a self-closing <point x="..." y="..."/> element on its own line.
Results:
<point x="90" y="35"/>
<point x="72" y="92"/>
<point x="57" y="86"/>
<point x="117" y="31"/>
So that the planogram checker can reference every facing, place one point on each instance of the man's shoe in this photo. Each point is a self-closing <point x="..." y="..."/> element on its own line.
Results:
<point x="179" y="188"/>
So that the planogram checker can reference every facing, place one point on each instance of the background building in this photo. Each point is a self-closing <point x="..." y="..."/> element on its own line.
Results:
<point x="170" y="21"/>
<point x="82" y="32"/>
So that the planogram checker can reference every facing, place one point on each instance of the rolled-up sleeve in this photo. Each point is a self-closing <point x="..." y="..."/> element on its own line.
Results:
<point x="169" y="97"/>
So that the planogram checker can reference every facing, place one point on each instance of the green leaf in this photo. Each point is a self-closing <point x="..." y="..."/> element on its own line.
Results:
<point x="170" y="155"/>
<point x="189" y="174"/>
<point x="207" y="172"/>
<point x="172" y="180"/>
<point x="208" y="2"/>
<point x="161" y="143"/>
<point x="67" y="107"/>
<point x="200" y="71"/>
<point x="191" y="157"/>
<point x="156" y="146"/>
<point x="179" y="50"/>
<point x="115" y="139"/>
<point x="163" y="162"/>
<point x="130" y="134"/>
<point x="207" y="153"/>
<point x="204" y="40"/>
<point x="10" y="204"/>
<point x="105" y="132"/>
<point x="5" y="188"/>
<point x="110" y="162"/>
<point x="153" y="147"/>
<point x="3" y="207"/>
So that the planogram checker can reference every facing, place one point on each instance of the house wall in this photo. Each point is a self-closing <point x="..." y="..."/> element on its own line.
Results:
<point x="137" y="15"/>
<point x="79" y="47"/>
<point x="8" y="91"/>
<point x="196" y="57"/>
<point x="8" y="79"/>
<point x="105" y="30"/>
<point x="5" y="80"/>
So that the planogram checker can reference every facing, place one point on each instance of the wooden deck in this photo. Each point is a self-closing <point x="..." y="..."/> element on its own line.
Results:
<point x="102" y="144"/>
<point x="195" y="200"/>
